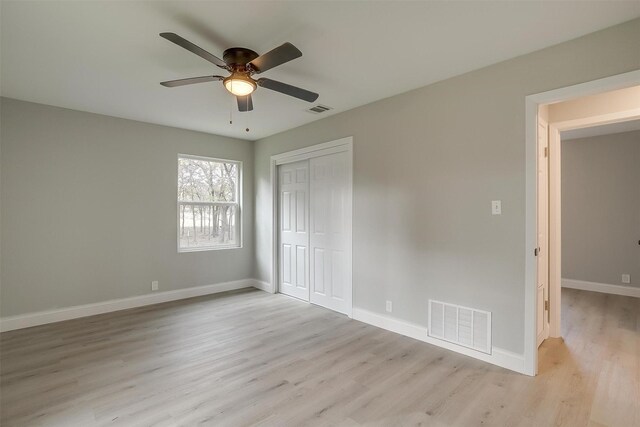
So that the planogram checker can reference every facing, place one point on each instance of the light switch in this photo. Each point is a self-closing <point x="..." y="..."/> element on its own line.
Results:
<point x="496" y="207"/>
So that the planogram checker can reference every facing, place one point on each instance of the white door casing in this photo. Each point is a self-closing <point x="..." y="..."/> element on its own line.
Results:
<point x="542" y="294"/>
<point x="328" y="240"/>
<point x="293" y="223"/>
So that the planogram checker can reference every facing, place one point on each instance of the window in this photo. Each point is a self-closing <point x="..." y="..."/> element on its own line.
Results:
<point x="208" y="203"/>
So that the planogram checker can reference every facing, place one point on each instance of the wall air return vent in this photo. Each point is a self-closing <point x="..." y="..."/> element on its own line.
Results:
<point x="319" y="109"/>
<point x="464" y="326"/>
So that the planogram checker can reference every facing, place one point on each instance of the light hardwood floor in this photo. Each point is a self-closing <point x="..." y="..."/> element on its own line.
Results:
<point x="249" y="357"/>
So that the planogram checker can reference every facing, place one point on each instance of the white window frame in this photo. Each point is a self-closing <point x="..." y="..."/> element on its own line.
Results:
<point x="237" y="203"/>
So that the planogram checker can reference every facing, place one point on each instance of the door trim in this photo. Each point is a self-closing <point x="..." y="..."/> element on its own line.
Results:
<point x="318" y="150"/>
<point x="532" y="103"/>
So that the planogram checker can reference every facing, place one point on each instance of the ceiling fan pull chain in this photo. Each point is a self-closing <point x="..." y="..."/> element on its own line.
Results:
<point x="247" y="129"/>
<point x="231" y="112"/>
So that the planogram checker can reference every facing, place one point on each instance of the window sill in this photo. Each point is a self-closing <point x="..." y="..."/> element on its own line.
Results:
<point x="211" y="248"/>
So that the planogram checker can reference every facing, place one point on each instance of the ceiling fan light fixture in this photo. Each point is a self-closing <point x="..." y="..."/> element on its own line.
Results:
<point x="239" y="84"/>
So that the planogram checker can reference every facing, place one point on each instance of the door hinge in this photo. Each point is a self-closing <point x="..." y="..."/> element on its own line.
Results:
<point x="536" y="252"/>
<point x="546" y="151"/>
<point x="546" y="305"/>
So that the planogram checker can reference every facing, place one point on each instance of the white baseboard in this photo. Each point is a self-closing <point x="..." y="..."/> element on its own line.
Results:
<point x="605" y="288"/>
<point x="498" y="356"/>
<point x="57" y="315"/>
<point x="263" y="286"/>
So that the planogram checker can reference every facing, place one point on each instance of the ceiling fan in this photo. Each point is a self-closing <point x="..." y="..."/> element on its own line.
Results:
<point x="243" y="63"/>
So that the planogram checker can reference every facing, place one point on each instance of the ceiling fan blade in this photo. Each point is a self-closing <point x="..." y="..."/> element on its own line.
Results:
<point x="172" y="37"/>
<point x="273" y="58"/>
<point x="191" y="80"/>
<point x="245" y="103"/>
<point x="294" y="91"/>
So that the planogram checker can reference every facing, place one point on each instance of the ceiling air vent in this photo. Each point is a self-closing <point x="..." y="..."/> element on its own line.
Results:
<point x="464" y="326"/>
<point x="319" y="109"/>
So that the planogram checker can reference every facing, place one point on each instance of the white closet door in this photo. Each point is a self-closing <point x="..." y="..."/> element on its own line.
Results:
<point x="330" y="272"/>
<point x="293" y="245"/>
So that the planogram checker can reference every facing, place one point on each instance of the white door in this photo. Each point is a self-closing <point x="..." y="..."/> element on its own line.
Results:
<point x="542" y="314"/>
<point x="330" y="225"/>
<point x="293" y="244"/>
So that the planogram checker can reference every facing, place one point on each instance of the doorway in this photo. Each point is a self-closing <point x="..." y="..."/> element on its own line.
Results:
<point x="544" y="127"/>
<point x="312" y="224"/>
<point x="532" y="114"/>
<point x="559" y="125"/>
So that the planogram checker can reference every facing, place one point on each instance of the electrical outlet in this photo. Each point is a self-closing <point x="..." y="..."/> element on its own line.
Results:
<point x="626" y="278"/>
<point x="496" y="207"/>
<point x="389" y="307"/>
<point x="154" y="285"/>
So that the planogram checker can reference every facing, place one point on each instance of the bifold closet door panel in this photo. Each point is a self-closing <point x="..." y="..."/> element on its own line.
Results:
<point x="329" y="191"/>
<point x="293" y="245"/>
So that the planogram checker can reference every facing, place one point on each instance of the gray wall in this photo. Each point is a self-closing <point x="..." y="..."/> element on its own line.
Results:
<point x="427" y="164"/>
<point x="601" y="208"/>
<point x="89" y="208"/>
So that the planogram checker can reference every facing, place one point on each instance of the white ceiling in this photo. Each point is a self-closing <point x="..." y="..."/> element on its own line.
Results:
<point x="107" y="57"/>
<point x="628" y="126"/>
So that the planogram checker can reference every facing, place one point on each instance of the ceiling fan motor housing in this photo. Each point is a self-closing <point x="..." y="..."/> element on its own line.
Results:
<point x="238" y="57"/>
